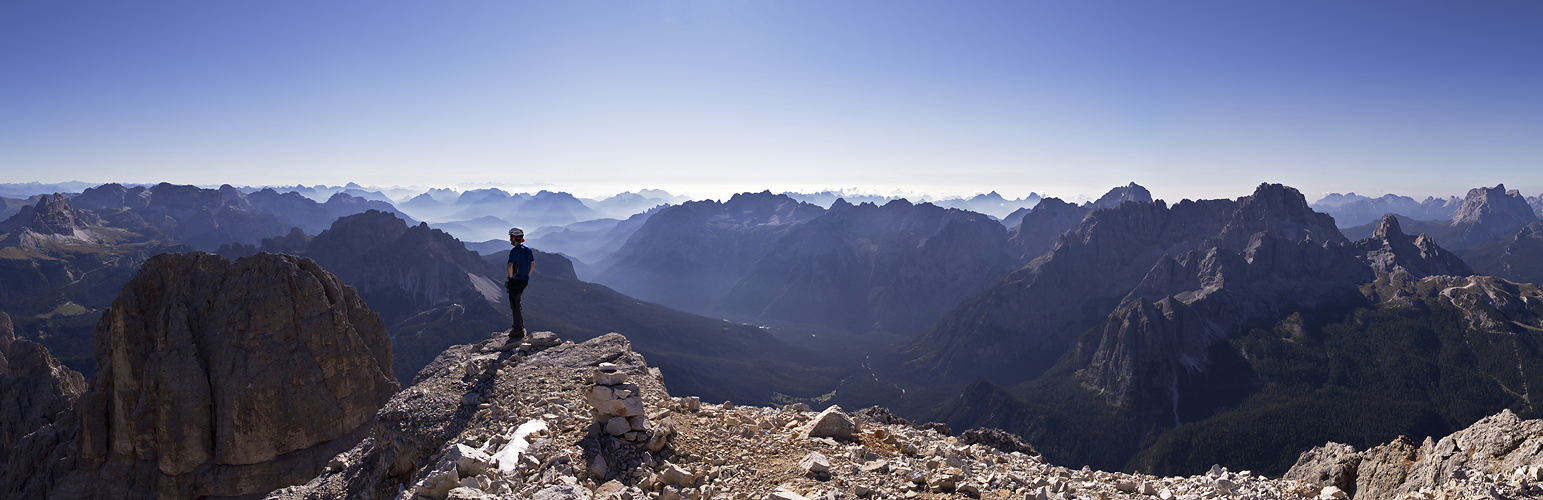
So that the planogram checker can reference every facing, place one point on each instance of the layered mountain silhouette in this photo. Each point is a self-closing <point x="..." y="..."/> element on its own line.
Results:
<point x="895" y="267"/>
<point x="1486" y="215"/>
<point x="686" y="255"/>
<point x="1351" y="210"/>
<point x="892" y="267"/>
<point x="473" y="208"/>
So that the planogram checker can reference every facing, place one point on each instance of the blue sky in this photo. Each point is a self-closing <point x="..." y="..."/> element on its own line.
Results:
<point x="1191" y="98"/>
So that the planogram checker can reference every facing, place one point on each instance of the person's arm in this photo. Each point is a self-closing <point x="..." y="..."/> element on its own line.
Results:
<point x="532" y="267"/>
<point x="510" y="268"/>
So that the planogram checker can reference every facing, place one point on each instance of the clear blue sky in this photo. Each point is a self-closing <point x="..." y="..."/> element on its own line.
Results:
<point x="1191" y="98"/>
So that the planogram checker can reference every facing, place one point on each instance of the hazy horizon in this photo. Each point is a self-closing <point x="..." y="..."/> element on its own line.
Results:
<point x="1203" y="99"/>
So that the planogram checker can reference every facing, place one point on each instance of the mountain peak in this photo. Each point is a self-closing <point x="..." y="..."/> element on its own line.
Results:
<point x="1388" y="227"/>
<point x="1489" y="214"/>
<point x="1122" y="194"/>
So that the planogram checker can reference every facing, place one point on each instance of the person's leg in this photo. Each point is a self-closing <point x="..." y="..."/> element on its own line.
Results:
<point x="516" y="289"/>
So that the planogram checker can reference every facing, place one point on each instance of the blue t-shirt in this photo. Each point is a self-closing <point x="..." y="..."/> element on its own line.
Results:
<point x="521" y="256"/>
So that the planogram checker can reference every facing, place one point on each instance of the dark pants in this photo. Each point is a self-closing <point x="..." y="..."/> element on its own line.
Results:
<point x="516" y="288"/>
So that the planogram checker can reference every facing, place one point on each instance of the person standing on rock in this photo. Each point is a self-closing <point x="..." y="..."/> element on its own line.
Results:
<point x="522" y="260"/>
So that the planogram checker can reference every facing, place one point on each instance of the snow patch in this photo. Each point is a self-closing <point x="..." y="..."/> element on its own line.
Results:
<point x="509" y="456"/>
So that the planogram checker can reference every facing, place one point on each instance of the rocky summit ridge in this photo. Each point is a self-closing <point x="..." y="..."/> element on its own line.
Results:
<point x="489" y="421"/>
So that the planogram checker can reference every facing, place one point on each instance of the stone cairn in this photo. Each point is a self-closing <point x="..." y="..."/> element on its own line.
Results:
<point x="617" y="408"/>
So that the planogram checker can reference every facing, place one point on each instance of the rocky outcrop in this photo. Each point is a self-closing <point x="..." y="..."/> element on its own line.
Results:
<point x="227" y="379"/>
<point x="1500" y="455"/>
<point x="1391" y="252"/>
<point x="36" y="393"/>
<point x="53" y="220"/>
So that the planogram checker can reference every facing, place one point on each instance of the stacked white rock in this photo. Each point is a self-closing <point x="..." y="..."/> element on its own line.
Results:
<point x="617" y="406"/>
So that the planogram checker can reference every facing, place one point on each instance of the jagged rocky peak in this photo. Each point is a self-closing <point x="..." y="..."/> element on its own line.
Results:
<point x="1387" y="228"/>
<point x="1500" y="456"/>
<point x="1494" y="205"/>
<point x="54" y="215"/>
<point x="1122" y="194"/>
<point x="223" y="379"/>
<point x="52" y="220"/>
<point x="1488" y="214"/>
<point x="1283" y="211"/>
<point x="36" y="390"/>
<point x="1391" y="252"/>
<point x="767" y="208"/>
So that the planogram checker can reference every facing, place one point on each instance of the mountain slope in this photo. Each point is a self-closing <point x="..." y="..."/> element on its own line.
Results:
<point x="895" y="267"/>
<point x="1015" y="330"/>
<point x="685" y="255"/>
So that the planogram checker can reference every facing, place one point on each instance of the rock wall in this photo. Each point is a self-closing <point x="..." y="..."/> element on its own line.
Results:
<point x="221" y="379"/>
<point x="36" y="392"/>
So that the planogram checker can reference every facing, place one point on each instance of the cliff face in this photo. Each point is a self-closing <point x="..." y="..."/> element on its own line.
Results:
<point x="1270" y="243"/>
<point x="225" y="379"/>
<point x="1488" y="214"/>
<point x="1039" y="228"/>
<point x="403" y="269"/>
<point x="53" y="220"/>
<point x="36" y="393"/>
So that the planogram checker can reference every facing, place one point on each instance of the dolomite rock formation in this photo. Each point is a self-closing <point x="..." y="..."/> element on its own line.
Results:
<point x="227" y="379"/>
<point x="1390" y="251"/>
<point x="1500" y="456"/>
<point x="52" y="220"/>
<point x="36" y="391"/>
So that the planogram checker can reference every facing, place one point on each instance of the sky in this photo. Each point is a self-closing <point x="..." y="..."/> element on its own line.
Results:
<point x="1190" y="98"/>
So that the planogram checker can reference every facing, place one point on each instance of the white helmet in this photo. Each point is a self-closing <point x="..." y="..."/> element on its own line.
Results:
<point x="517" y="232"/>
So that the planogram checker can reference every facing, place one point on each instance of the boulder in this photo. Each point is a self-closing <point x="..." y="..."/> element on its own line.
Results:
<point x="543" y="340"/>
<point x="1332" y="464"/>
<point x="814" y="463"/>
<point x="830" y="423"/>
